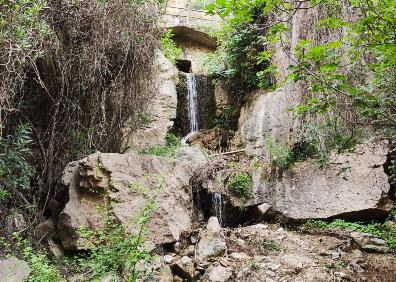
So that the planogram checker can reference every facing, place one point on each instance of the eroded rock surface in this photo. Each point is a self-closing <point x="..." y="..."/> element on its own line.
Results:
<point x="353" y="185"/>
<point x="123" y="182"/>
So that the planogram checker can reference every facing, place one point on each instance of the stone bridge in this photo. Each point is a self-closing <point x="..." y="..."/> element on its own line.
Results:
<point x="181" y="13"/>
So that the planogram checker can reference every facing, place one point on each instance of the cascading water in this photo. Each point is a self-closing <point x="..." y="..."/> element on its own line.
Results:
<point x="192" y="105"/>
<point x="217" y="201"/>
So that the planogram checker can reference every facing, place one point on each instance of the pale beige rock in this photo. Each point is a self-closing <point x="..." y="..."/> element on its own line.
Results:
<point x="219" y="274"/>
<point x="369" y="242"/>
<point x="354" y="184"/>
<point x="185" y="268"/>
<point x="13" y="270"/>
<point x="267" y="116"/>
<point x="212" y="242"/>
<point x="158" y="119"/>
<point x="123" y="182"/>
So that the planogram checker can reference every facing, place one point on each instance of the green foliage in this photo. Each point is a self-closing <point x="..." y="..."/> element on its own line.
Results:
<point x="225" y="118"/>
<point x="77" y="146"/>
<point x="169" y="47"/>
<point x="278" y="155"/>
<point x="171" y="150"/>
<point x="369" y="89"/>
<point x="41" y="267"/>
<point x="23" y="28"/>
<point x="385" y="230"/>
<point x="240" y="185"/>
<point x="351" y="78"/>
<point x="15" y="169"/>
<point x="270" y="245"/>
<point x="392" y="172"/>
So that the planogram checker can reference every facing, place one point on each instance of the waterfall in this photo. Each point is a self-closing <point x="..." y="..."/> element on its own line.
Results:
<point x="217" y="201"/>
<point x="192" y="105"/>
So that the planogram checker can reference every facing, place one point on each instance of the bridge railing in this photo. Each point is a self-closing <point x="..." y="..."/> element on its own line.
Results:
<point x="187" y="16"/>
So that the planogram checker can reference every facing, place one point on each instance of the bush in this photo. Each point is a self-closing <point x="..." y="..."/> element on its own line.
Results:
<point x="279" y="155"/>
<point x="15" y="169"/>
<point x="169" y="47"/>
<point x="240" y="185"/>
<point x="41" y="267"/>
<point x="171" y="150"/>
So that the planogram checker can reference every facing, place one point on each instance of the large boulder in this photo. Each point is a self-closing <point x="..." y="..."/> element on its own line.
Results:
<point x="353" y="185"/>
<point x="123" y="183"/>
<point x="158" y="118"/>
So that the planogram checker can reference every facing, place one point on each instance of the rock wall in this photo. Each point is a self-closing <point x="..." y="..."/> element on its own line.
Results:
<point x="353" y="186"/>
<point x="266" y="113"/>
<point x="161" y="113"/>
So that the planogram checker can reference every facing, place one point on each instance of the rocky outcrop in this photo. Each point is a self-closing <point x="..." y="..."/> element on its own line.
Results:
<point x="270" y="253"/>
<point x="353" y="186"/>
<point x="123" y="183"/>
<point x="159" y="117"/>
<point x="215" y="139"/>
<point x="266" y="116"/>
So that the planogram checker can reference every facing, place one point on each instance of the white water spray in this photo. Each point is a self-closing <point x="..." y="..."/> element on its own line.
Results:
<point x="192" y="105"/>
<point x="217" y="201"/>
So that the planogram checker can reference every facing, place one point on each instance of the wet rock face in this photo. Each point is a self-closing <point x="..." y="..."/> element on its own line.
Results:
<point x="265" y="116"/>
<point x="206" y="104"/>
<point x="121" y="183"/>
<point x="352" y="186"/>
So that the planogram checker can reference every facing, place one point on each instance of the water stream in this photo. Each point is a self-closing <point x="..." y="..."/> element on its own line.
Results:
<point x="217" y="201"/>
<point x="192" y="105"/>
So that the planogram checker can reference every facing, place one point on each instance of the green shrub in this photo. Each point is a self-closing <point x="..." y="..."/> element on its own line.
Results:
<point x="15" y="170"/>
<point x="171" y="150"/>
<point x="169" y="47"/>
<point x="278" y="155"/>
<point x="225" y="118"/>
<point x="41" y="267"/>
<point x="240" y="185"/>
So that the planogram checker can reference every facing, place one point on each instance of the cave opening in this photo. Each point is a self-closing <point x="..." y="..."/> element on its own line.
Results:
<point x="184" y="65"/>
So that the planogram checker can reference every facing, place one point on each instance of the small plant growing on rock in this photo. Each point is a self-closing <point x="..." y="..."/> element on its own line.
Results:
<point x="169" y="47"/>
<point x="240" y="185"/>
<point x="171" y="150"/>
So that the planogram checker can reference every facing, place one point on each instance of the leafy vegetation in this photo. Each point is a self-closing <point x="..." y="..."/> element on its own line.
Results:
<point x="15" y="168"/>
<point x="279" y="156"/>
<point x="240" y="185"/>
<point x="171" y="150"/>
<point x="350" y="76"/>
<point x="169" y="47"/>
<point x="41" y="267"/>
<point x="385" y="230"/>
